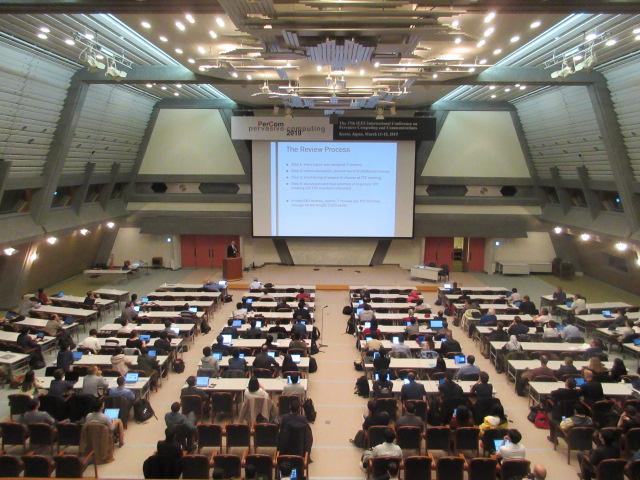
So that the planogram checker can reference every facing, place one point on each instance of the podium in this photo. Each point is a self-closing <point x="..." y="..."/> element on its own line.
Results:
<point x="232" y="268"/>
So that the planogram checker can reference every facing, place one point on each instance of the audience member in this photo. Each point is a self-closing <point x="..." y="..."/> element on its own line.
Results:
<point x="468" y="371"/>
<point x="237" y="363"/>
<point x="59" y="387"/>
<point x="482" y="388"/>
<point x="388" y="448"/>
<point x="181" y="426"/>
<point x="295" y="387"/>
<point x="495" y="419"/>
<point x="399" y="349"/>
<point x="91" y="342"/>
<point x="551" y="330"/>
<point x="560" y="428"/>
<point x="97" y="415"/>
<point x="559" y="296"/>
<point x="512" y="448"/>
<point x="208" y="363"/>
<point x="527" y="307"/>
<point x="410" y="419"/>
<point x="122" y="391"/>
<point x="517" y="327"/>
<point x="589" y="461"/>
<point x="618" y="370"/>
<point x="514" y="296"/>
<point x="33" y="415"/>
<point x="461" y="418"/>
<point x="570" y="331"/>
<point x="449" y="345"/>
<point x="295" y="436"/>
<point x="579" y="304"/>
<point x="567" y="368"/>
<point x="119" y="362"/>
<point x="64" y="358"/>
<point x="412" y="390"/>
<point x="591" y="390"/>
<point x="93" y="382"/>
<point x="489" y="319"/>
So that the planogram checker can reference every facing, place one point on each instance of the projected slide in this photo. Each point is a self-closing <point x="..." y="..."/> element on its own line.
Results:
<point x="332" y="189"/>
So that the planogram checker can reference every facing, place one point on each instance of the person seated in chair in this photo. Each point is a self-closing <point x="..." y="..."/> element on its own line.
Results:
<point x="620" y="320"/>
<point x="89" y="301"/>
<point x="543" y="317"/>
<point x="386" y="449"/>
<point x="517" y="327"/>
<point x="298" y="344"/>
<point x="170" y="450"/>
<point x="97" y="415"/>
<point x="594" y="350"/>
<point x="591" y="390"/>
<point x="208" y="363"/>
<point x="134" y="341"/>
<point x="450" y="389"/>
<point x="255" y="284"/>
<point x="59" y="387"/>
<point x="162" y="345"/>
<point x="512" y="448"/>
<point x="579" y="304"/>
<point x="469" y="369"/>
<point x="420" y="307"/>
<point x="527" y="307"/>
<point x="91" y="342"/>
<point x="567" y="368"/>
<point x="278" y="329"/>
<point x="449" y="345"/>
<point x="551" y="330"/>
<point x="33" y="415"/>
<point x="237" y="363"/>
<point x="192" y="390"/>
<point x="264" y="360"/>
<point x="283" y="306"/>
<point x="482" y="388"/>
<point x="410" y="419"/>
<point x="514" y="297"/>
<point x="295" y="387"/>
<point x="412" y="390"/>
<point x="220" y="347"/>
<point x="367" y="314"/>
<point x="122" y="391"/>
<point x="302" y="295"/>
<point x="630" y="418"/>
<point x="302" y="311"/>
<point x="489" y="319"/>
<point x="570" y="331"/>
<point x="253" y="332"/>
<point x="607" y="449"/>
<point x="580" y="418"/>
<point x="93" y="382"/>
<point x="400" y="349"/>
<point x="266" y="296"/>
<point x="499" y="334"/>
<point x="42" y="297"/>
<point x="559" y="296"/>
<point x="178" y="423"/>
<point x="299" y="327"/>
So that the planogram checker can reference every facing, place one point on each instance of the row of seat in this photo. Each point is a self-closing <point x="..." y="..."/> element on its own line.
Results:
<point x="31" y="465"/>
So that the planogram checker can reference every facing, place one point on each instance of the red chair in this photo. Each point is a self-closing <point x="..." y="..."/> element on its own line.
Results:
<point x="209" y="435"/>
<point x="483" y="468"/>
<point x="265" y="435"/>
<point x="10" y="466"/>
<point x="38" y="466"/>
<point x="378" y="466"/>
<point x="300" y="464"/>
<point x="418" y="467"/>
<point x="14" y="434"/>
<point x="438" y="438"/>
<point x="409" y="438"/>
<point x="450" y="468"/>
<point x="263" y="464"/>
<point x="229" y="466"/>
<point x="238" y="435"/>
<point x="517" y="468"/>
<point x="73" y="466"/>
<point x="578" y="438"/>
<point x="195" y="466"/>
<point x="42" y="434"/>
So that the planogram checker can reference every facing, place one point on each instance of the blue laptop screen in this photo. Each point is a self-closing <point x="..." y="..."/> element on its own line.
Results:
<point x="460" y="359"/>
<point x="202" y="381"/>
<point x="131" y="377"/>
<point x="77" y="355"/>
<point x="436" y="323"/>
<point x="112" y="413"/>
<point x="580" y="382"/>
<point x="217" y="355"/>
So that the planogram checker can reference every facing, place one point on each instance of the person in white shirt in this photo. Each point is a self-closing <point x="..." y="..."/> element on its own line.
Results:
<point x="386" y="449"/>
<point x="294" y="388"/>
<point x="543" y="317"/>
<point x="512" y="448"/>
<point x="579" y="304"/>
<point x="91" y="342"/>
<point x="550" y="331"/>
<point x="367" y="314"/>
<point x="400" y="350"/>
<point x="255" y="285"/>
<point x="240" y="312"/>
<point x="515" y="296"/>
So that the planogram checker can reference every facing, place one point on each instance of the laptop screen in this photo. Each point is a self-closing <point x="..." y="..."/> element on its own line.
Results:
<point x="295" y="357"/>
<point x="441" y="381"/>
<point x="77" y="355"/>
<point x="376" y="355"/>
<point x="193" y="309"/>
<point x="420" y="338"/>
<point x="395" y="340"/>
<point x="436" y="323"/>
<point x="249" y="301"/>
<point x="568" y="303"/>
<point x="498" y="443"/>
<point x="460" y="359"/>
<point x="136" y="308"/>
<point x="40" y="334"/>
<point x="226" y="339"/>
<point x="144" y="299"/>
<point x="636" y="342"/>
<point x="202" y="381"/>
<point x="112" y="413"/>
<point x="272" y="354"/>
<point x="241" y="355"/>
<point x="447" y="286"/>
<point x="408" y="324"/>
<point x="217" y="355"/>
<point x="236" y="323"/>
<point x="606" y="313"/>
<point x="145" y="338"/>
<point x="258" y="323"/>
<point x="223" y="283"/>
<point x="367" y="324"/>
<point x="175" y="330"/>
<point x="152" y="353"/>
<point x="131" y="377"/>
<point x="580" y="382"/>
<point x="368" y="338"/>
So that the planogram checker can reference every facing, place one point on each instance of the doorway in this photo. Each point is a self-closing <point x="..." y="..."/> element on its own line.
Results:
<point x="460" y="254"/>
<point x="205" y="251"/>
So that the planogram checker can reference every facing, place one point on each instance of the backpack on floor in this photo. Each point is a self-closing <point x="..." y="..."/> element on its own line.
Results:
<point x="351" y="326"/>
<point x="142" y="410"/>
<point x="309" y="410"/>
<point x="362" y="386"/>
<point x="347" y="310"/>
<point x="313" y="365"/>
<point x="205" y="327"/>
<point x="178" y="365"/>
<point x="228" y="298"/>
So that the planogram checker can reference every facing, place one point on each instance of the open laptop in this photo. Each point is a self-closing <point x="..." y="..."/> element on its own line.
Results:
<point x="441" y="381"/>
<point x="241" y="355"/>
<point x="272" y="353"/>
<point x="222" y="284"/>
<point x="144" y="299"/>
<point x="607" y="314"/>
<point x="568" y="303"/>
<point x="152" y="353"/>
<point x="498" y="443"/>
<point x="112" y="413"/>
<point x="359" y="311"/>
<point x="436" y="324"/>
<point x="420" y="338"/>
<point x="77" y="356"/>
<point x="376" y="355"/>
<point x="58" y="295"/>
<point x="249" y="301"/>
<point x="367" y="324"/>
<point x="636" y="342"/>
<point x="202" y="382"/>
<point x="217" y="355"/>
<point x="460" y="359"/>
<point x="377" y="377"/>
<point x="580" y="382"/>
<point x="368" y="339"/>
<point x="131" y="377"/>
<point x="175" y="330"/>
<point x="447" y="286"/>
<point x="236" y="323"/>
<point x="226" y="339"/>
<point x="136" y="308"/>
<point x="295" y="357"/>
<point x="258" y="323"/>
<point x="395" y="340"/>
<point x="193" y="309"/>
<point x="145" y="338"/>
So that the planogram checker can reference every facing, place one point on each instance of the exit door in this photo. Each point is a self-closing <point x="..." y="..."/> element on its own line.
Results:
<point x="205" y="251"/>
<point x="439" y="251"/>
<point x="473" y="258"/>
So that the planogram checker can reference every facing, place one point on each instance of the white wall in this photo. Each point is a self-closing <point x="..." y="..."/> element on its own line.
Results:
<point x="405" y="253"/>
<point x="536" y="247"/>
<point x="190" y="142"/>
<point x="258" y="251"/>
<point x="331" y="251"/>
<point x="477" y="144"/>
<point x="132" y="245"/>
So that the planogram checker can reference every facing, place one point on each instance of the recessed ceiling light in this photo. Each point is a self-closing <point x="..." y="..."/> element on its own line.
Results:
<point x="611" y="42"/>
<point x="179" y="51"/>
<point x="435" y="75"/>
<point x="472" y="69"/>
<point x="507" y="90"/>
<point x="84" y="232"/>
<point x="489" y="31"/>
<point x="145" y="24"/>
<point x="163" y="87"/>
<point x="591" y="36"/>
<point x="191" y="60"/>
<point x="377" y="64"/>
<point x="213" y="34"/>
<point x="178" y="85"/>
<point x="448" y="69"/>
<point x="493" y="96"/>
<point x="234" y="74"/>
<point x="517" y="85"/>
<point x="10" y="251"/>
<point x="180" y="26"/>
<point x="100" y="57"/>
<point x="557" y="230"/>
<point x="637" y="38"/>
<point x="249" y="77"/>
<point x="189" y="18"/>
<point x="515" y="38"/>
<point x="482" y="61"/>
<point x="267" y="26"/>
<point x="585" y="237"/>
<point x="535" y="24"/>
<point x="636" y="31"/>
<point x="176" y="94"/>
<point x="110" y="224"/>
<point x="89" y="36"/>
<point x="362" y="71"/>
<point x="492" y="87"/>
<point x="42" y="36"/>
<point x="163" y="38"/>
<point x="497" y="51"/>
<point x="149" y="85"/>
<point x="523" y="87"/>
<point x="52" y="240"/>
<point x="46" y="29"/>
<point x="70" y="42"/>
<point x="202" y="50"/>
<point x="490" y="16"/>
<point x="33" y="257"/>
<point x="621" y="246"/>
<point x="481" y="43"/>
<point x="457" y="41"/>
<point x="220" y="22"/>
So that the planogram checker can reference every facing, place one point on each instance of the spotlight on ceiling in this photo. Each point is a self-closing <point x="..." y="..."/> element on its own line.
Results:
<point x="52" y="240"/>
<point x="621" y="246"/>
<point x="84" y="232"/>
<point x="557" y="230"/>
<point x="168" y="239"/>
<point x="110" y="224"/>
<point x="585" y="237"/>
<point x="10" y="251"/>
<point x="33" y="257"/>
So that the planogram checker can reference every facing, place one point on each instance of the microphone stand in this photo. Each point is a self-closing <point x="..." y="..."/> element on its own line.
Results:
<point x="322" y="327"/>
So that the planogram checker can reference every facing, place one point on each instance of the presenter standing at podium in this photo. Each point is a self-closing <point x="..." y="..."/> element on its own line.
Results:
<point x="232" y="250"/>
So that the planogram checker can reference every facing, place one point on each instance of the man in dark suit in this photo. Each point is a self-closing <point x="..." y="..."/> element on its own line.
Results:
<point x="589" y="461"/>
<point x="591" y="390"/>
<point x="232" y="250"/>
<point x="413" y="390"/>
<point x="295" y="436"/>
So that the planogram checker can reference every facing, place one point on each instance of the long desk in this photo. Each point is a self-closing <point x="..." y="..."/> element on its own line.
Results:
<point x="402" y="289"/>
<point x="186" y="329"/>
<point x="224" y="363"/>
<point x="494" y="347"/>
<point x="479" y="290"/>
<point x="78" y="302"/>
<point x="270" y="316"/>
<point x="387" y="344"/>
<point x="214" y="296"/>
<point x="431" y="386"/>
<point x="162" y="315"/>
<point x="281" y="344"/>
<point x="591" y="321"/>
<point x="418" y="364"/>
<point x="537" y="390"/>
<point x="516" y="367"/>
<point x="17" y="363"/>
<point x="262" y="305"/>
<point x="424" y="272"/>
<point x="290" y="288"/>
<point x="40" y="323"/>
<point x="278" y="295"/>
<point x="81" y="315"/>
<point x="178" y="305"/>
<point x="480" y="297"/>
<point x="397" y="307"/>
<point x="176" y="343"/>
<point x="113" y="294"/>
<point x="140" y="388"/>
<point x="596" y="307"/>
<point x="384" y="296"/>
<point x="97" y="272"/>
<point x="271" y="385"/>
<point x="497" y="307"/>
<point x="46" y="343"/>
<point x="548" y="301"/>
<point x="400" y="318"/>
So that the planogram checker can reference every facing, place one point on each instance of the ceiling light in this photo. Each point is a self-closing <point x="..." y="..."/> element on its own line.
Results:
<point x="577" y="58"/>
<point x="481" y="43"/>
<point x="201" y="50"/>
<point x="557" y="230"/>
<point x="497" y="51"/>
<point x="178" y="85"/>
<point x="33" y="257"/>
<point x="180" y="26"/>
<point x="472" y="69"/>
<point x="492" y="87"/>
<point x="52" y="240"/>
<point x="621" y="246"/>
<point x="482" y="61"/>
<point x="191" y="60"/>
<point x="163" y="87"/>
<point x="457" y="40"/>
<point x="145" y="24"/>
<point x="377" y="64"/>
<point x="507" y="90"/>
<point x="249" y="77"/>
<point x="435" y="75"/>
<point x="149" y="85"/>
<point x="89" y="36"/>
<point x="213" y="34"/>
<point x="84" y="232"/>
<point x="70" y="42"/>
<point x="535" y="24"/>
<point x="42" y="36"/>
<point x="267" y="26"/>
<point x="611" y="42"/>
<point x="585" y="237"/>
<point x="636" y="31"/>
<point x="493" y="96"/>
<point x="490" y="16"/>
<point x="514" y="39"/>
<point x="163" y="38"/>
<point x="637" y="38"/>
<point x="10" y="251"/>
<point x="638" y="261"/>
<point x="220" y="22"/>
<point x="100" y="57"/>
<point x="517" y="85"/>
<point x="46" y="30"/>
<point x="176" y="94"/>
<point x="489" y="31"/>
<point x="455" y="23"/>
<point x="523" y="87"/>
<point x="361" y="71"/>
<point x="179" y="51"/>
<point x="189" y="18"/>
<point x="591" y="36"/>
